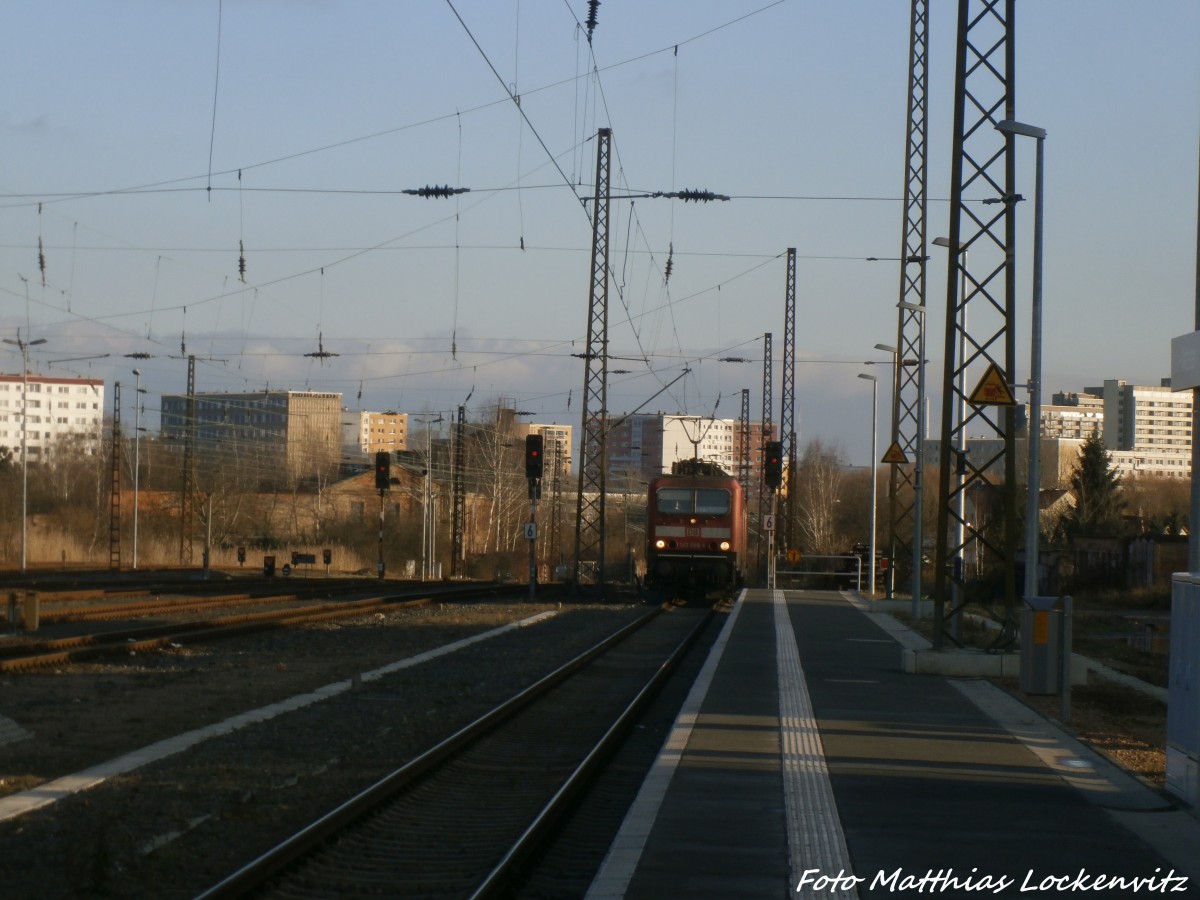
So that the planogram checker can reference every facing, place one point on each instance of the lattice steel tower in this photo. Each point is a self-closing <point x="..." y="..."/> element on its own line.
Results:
<point x="114" y="497"/>
<point x="908" y="387"/>
<point x="743" y="447"/>
<point x="764" y="495"/>
<point x="977" y="518"/>
<point x="787" y="402"/>
<point x="187" y="487"/>
<point x="459" y="489"/>
<point x="589" y="512"/>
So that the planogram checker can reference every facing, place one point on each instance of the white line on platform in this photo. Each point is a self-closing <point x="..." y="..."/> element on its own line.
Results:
<point x="815" y="831"/>
<point x="612" y="879"/>
<point x="53" y="791"/>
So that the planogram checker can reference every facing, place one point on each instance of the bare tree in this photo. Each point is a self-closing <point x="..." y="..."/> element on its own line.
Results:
<point x="818" y="490"/>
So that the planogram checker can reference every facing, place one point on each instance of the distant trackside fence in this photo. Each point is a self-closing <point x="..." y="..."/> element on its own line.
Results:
<point x="782" y="571"/>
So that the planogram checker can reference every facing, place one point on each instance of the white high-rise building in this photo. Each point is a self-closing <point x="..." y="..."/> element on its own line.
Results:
<point x="646" y="445"/>
<point x="1147" y="429"/>
<point x="53" y="409"/>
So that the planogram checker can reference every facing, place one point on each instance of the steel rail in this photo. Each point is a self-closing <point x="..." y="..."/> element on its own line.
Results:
<point x="256" y="873"/>
<point x="83" y="647"/>
<point x="502" y="877"/>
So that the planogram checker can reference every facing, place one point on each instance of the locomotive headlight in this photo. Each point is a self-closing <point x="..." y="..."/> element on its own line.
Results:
<point x="725" y="545"/>
<point x="660" y="544"/>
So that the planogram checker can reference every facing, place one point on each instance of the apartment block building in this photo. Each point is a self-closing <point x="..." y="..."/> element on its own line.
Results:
<point x="643" y="446"/>
<point x="1147" y="428"/>
<point x="366" y="433"/>
<point x="1075" y="416"/>
<point x="48" y="410"/>
<point x="556" y="448"/>
<point x="267" y="436"/>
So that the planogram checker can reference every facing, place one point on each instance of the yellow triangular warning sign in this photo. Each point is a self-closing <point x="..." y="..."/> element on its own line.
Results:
<point x="992" y="390"/>
<point x="895" y="454"/>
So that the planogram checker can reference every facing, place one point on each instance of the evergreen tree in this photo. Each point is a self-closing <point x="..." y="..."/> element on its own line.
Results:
<point x="1097" y="490"/>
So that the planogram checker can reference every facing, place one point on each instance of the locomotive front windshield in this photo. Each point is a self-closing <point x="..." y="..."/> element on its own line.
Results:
<point x="693" y="501"/>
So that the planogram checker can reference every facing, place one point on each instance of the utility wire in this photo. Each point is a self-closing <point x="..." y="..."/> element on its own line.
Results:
<point x="212" y="135"/>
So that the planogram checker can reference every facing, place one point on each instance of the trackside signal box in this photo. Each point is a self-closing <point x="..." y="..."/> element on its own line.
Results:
<point x="533" y="456"/>
<point x="383" y="470"/>
<point x="773" y="463"/>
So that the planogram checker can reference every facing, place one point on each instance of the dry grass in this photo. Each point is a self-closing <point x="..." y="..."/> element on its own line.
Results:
<point x="1123" y="724"/>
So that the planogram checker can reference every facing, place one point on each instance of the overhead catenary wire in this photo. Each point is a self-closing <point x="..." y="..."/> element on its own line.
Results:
<point x="631" y="315"/>
<point x="212" y="134"/>
<point x="346" y="142"/>
<point x="513" y="98"/>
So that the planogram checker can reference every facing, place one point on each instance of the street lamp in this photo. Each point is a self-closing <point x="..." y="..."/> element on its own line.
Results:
<point x="1034" y="479"/>
<point x="918" y="310"/>
<point x="24" y="348"/>
<point x="874" y="462"/>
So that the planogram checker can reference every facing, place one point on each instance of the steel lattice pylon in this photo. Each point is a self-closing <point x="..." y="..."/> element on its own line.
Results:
<point x="459" y="489"/>
<point x="589" y="513"/>
<point x="743" y="447"/>
<point x="554" y="546"/>
<point x="114" y="509"/>
<point x="908" y="386"/>
<point x="764" y="495"/>
<point x="977" y="527"/>
<point x="187" y="487"/>
<point x="787" y="402"/>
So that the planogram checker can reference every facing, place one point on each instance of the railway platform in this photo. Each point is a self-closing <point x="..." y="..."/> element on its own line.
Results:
<point x="806" y="763"/>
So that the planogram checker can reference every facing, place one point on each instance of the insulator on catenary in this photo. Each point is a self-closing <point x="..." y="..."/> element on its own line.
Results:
<point x="697" y="195"/>
<point x="242" y="262"/>
<point x="593" y="5"/>
<point x="435" y="191"/>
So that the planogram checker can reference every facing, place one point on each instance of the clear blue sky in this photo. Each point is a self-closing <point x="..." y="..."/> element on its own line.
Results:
<point x="324" y="111"/>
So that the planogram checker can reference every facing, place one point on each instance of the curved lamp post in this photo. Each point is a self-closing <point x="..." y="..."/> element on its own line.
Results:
<point x="1034" y="478"/>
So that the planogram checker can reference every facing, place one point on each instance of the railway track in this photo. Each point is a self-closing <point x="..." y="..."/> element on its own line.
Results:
<point x="27" y="655"/>
<point x="468" y="816"/>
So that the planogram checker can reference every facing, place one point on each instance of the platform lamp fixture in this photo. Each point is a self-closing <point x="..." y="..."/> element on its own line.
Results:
<point x="24" y="346"/>
<point x="1032" y="505"/>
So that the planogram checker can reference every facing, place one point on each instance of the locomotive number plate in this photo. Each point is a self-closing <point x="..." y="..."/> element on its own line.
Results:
<point x="692" y="532"/>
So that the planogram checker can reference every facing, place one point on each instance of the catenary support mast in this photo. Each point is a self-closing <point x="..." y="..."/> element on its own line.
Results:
<point x="787" y="403"/>
<point x="764" y="495"/>
<point x="589" y="513"/>
<point x="187" y="488"/>
<point x="459" y="488"/>
<point x="114" y="509"/>
<point x="982" y="223"/>
<point x="908" y="386"/>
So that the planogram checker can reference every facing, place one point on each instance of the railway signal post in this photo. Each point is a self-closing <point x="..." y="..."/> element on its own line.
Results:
<point x="383" y="480"/>
<point x="533" y="473"/>
<point x="773" y="479"/>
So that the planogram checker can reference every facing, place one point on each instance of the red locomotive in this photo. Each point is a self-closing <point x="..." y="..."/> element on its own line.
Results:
<point x="695" y="532"/>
